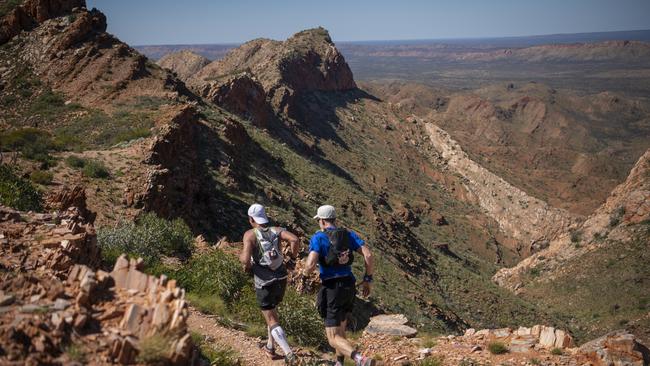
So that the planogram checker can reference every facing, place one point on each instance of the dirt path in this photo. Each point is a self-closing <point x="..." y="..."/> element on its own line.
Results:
<point x="246" y="347"/>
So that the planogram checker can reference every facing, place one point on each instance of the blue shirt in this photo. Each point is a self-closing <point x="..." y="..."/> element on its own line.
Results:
<point x="320" y="244"/>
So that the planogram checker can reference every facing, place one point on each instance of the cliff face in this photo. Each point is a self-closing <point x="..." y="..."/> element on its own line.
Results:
<point x="306" y="62"/>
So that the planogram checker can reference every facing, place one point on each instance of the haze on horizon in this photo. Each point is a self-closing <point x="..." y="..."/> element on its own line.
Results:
<point x="149" y="22"/>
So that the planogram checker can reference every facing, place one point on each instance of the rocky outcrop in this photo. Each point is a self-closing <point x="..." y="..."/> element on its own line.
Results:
<point x="173" y="159"/>
<point x="525" y="339"/>
<point x="73" y="54"/>
<point x="530" y="221"/>
<point x="628" y="204"/>
<point x="240" y="94"/>
<point x="618" y="348"/>
<point x="53" y="299"/>
<point x="184" y="63"/>
<point x="66" y="197"/>
<point x="181" y="163"/>
<point x="306" y="62"/>
<point x="31" y="13"/>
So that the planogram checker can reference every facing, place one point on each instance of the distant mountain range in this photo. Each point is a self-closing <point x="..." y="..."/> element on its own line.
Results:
<point x="217" y="51"/>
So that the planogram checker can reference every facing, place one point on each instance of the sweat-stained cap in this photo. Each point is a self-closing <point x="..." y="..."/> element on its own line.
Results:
<point x="325" y="212"/>
<point x="257" y="212"/>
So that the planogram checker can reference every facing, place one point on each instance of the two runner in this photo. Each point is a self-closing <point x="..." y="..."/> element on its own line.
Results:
<point x="332" y="249"/>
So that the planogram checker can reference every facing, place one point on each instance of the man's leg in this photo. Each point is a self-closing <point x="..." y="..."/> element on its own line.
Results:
<point x="338" y="341"/>
<point x="339" y="306"/>
<point x="340" y="357"/>
<point x="276" y="330"/>
<point x="276" y="293"/>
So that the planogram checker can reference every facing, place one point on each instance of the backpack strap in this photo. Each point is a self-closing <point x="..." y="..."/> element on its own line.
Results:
<point x="258" y="240"/>
<point x="259" y="235"/>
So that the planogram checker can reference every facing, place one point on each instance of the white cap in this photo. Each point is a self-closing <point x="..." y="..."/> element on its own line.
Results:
<point x="257" y="212"/>
<point x="325" y="212"/>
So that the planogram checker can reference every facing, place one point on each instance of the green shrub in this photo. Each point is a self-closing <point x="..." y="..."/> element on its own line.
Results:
<point x="428" y="341"/>
<point x="431" y="361"/>
<point x="616" y="216"/>
<point x="556" y="351"/>
<point x="95" y="169"/>
<point x="535" y="361"/>
<point x="24" y="82"/>
<point x="213" y="356"/>
<point x="32" y="143"/>
<point x="148" y="237"/>
<point x="89" y="167"/>
<point x="245" y="308"/>
<point x="300" y="319"/>
<point x="100" y="129"/>
<point x="207" y="304"/>
<point x="75" y="162"/>
<point x="49" y="105"/>
<point x="497" y="348"/>
<point x="535" y="272"/>
<point x="41" y="177"/>
<point x="76" y="353"/>
<point x="576" y="236"/>
<point x="17" y="192"/>
<point x="154" y="349"/>
<point x="216" y="274"/>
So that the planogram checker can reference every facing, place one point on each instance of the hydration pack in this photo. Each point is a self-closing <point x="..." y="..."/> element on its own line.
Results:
<point x="339" y="253"/>
<point x="268" y="249"/>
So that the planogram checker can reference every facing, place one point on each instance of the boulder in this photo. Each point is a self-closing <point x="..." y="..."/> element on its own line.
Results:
<point x="618" y="348"/>
<point x="547" y="337"/>
<point x="393" y="325"/>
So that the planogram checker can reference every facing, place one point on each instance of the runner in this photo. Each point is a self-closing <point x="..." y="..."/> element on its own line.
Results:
<point x="262" y="256"/>
<point x="333" y="248"/>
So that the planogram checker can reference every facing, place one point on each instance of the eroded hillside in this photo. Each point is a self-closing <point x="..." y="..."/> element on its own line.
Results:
<point x="561" y="146"/>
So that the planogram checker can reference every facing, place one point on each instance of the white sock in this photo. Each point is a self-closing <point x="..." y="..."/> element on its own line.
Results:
<point x="269" y="341"/>
<point x="357" y="357"/>
<point x="281" y="339"/>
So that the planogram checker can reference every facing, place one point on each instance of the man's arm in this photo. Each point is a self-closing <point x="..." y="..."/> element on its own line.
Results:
<point x="310" y="263"/>
<point x="367" y="259"/>
<point x="370" y="268"/>
<point x="294" y="243"/>
<point x="247" y="251"/>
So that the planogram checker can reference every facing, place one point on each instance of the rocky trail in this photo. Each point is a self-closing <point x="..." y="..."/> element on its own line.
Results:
<point x="246" y="347"/>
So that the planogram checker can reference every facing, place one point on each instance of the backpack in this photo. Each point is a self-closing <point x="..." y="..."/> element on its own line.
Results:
<point x="268" y="250"/>
<point x="339" y="253"/>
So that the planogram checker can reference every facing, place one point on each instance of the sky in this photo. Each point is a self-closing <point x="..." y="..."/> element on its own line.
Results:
<point x="146" y="22"/>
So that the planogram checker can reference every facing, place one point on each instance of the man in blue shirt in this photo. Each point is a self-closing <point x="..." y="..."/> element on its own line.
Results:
<point x="333" y="249"/>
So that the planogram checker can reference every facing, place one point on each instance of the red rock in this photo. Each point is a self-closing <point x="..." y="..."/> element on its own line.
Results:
<point x="615" y="348"/>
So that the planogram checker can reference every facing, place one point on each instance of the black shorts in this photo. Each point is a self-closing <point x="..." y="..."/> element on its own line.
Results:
<point x="336" y="300"/>
<point x="268" y="297"/>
